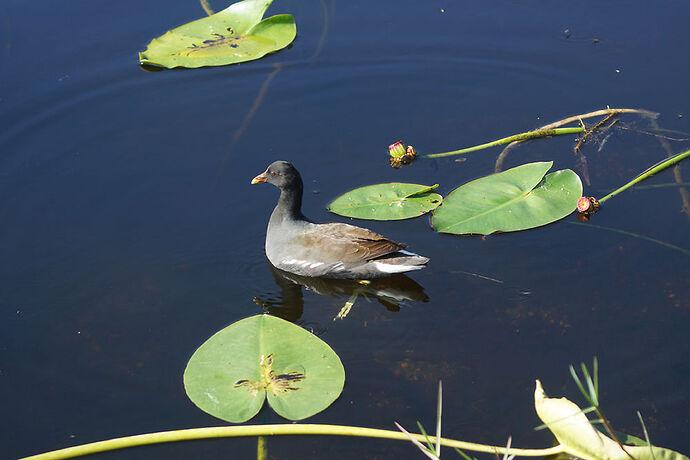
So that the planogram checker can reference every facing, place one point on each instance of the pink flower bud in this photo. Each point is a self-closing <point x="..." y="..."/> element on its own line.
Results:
<point x="583" y="204"/>
<point x="396" y="150"/>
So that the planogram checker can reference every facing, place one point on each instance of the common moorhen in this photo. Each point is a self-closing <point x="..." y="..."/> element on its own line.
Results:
<point x="335" y="250"/>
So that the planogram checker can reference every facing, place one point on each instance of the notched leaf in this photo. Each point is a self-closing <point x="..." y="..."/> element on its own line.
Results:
<point x="263" y="358"/>
<point x="391" y="201"/>
<point x="517" y="199"/>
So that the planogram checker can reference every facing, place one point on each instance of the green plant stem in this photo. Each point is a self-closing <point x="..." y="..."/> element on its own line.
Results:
<point x="574" y="118"/>
<point x="539" y="133"/>
<point x="207" y="8"/>
<point x="657" y="186"/>
<point x="648" y="173"/>
<point x="439" y="410"/>
<point x="273" y="430"/>
<point x="612" y="433"/>
<point x="261" y="451"/>
<point x="635" y="235"/>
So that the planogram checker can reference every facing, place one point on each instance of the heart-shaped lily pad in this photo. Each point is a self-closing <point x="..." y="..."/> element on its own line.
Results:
<point x="516" y="199"/>
<point x="235" y="370"/>
<point x="235" y="34"/>
<point x="391" y="201"/>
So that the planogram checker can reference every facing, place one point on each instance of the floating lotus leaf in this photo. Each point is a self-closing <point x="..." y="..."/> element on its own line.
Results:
<point x="392" y="201"/>
<point x="516" y="199"/>
<point x="235" y="34"/>
<point x="261" y="357"/>
<point x="580" y="439"/>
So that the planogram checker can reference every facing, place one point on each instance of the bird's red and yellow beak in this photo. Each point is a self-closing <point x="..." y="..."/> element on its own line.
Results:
<point x="260" y="178"/>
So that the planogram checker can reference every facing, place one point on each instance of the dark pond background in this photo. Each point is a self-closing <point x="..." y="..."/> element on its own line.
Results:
<point x="129" y="232"/>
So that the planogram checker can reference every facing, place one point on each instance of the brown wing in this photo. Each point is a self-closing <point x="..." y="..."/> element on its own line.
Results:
<point x="347" y="243"/>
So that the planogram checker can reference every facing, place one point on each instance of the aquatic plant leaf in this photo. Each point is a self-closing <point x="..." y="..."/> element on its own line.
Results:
<point x="391" y="201"/>
<point x="516" y="199"/>
<point x="261" y="357"/>
<point x="235" y="34"/>
<point x="579" y="438"/>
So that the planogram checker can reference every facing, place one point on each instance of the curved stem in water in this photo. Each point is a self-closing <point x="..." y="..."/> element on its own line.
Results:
<point x="597" y="113"/>
<point x="268" y="430"/>
<point x="539" y="133"/>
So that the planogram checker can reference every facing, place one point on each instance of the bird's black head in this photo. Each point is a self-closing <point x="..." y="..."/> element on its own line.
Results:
<point x="281" y="174"/>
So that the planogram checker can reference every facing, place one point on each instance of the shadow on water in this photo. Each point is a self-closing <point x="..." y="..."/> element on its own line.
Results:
<point x="389" y="292"/>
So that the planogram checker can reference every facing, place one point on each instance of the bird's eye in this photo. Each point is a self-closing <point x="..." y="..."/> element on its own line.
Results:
<point x="272" y="173"/>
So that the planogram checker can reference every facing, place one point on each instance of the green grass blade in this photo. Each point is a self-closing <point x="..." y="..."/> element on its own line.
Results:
<point x="464" y="455"/>
<point x="646" y="435"/>
<point x="590" y="385"/>
<point x="580" y="386"/>
<point x="424" y="450"/>
<point x="426" y="436"/>
<point x="438" y="418"/>
<point x="595" y="370"/>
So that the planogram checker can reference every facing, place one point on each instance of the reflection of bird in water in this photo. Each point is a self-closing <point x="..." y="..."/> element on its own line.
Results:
<point x="389" y="292"/>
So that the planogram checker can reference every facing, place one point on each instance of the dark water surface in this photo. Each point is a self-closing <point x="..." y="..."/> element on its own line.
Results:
<point x="130" y="233"/>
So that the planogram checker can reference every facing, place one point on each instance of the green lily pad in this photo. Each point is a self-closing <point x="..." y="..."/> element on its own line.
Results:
<point x="235" y="34"/>
<point x="516" y="199"/>
<point x="261" y="357"/>
<point x="580" y="439"/>
<point x="392" y="201"/>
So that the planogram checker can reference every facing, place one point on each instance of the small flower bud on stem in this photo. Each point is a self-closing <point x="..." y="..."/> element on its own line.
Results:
<point x="586" y="206"/>
<point x="401" y="155"/>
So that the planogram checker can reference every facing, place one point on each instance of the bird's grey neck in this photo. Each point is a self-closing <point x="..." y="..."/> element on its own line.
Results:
<point x="289" y="205"/>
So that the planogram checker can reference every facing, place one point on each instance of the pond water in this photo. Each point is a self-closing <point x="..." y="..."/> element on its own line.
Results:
<point x="130" y="233"/>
